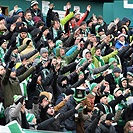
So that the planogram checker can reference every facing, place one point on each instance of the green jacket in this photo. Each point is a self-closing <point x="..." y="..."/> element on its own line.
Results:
<point x="64" y="20"/>
<point x="67" y="59"/>
<point x="105" y="58"/>
<point x="12" y="85"/>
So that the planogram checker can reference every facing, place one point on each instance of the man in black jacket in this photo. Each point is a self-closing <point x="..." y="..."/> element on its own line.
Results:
<point x="35" y="11"/>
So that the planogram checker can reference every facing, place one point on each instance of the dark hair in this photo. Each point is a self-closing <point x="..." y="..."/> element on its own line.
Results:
<point x="55" y="20"/>
<point x="97" y="48"/>
<point x="27" y="11"/>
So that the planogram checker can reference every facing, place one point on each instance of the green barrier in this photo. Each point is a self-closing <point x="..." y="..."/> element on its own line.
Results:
<point x="40" y="131"/>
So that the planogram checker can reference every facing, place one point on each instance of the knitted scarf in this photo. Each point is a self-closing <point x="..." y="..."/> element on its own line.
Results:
<point x="100" y="60"/>
<point x="116" y="79"/>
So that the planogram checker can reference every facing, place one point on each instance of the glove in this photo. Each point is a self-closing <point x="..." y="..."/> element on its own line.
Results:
<point x="28" y="42"/>
<point x="39" y="47"/>
<point x="11" y="64"/>
<point x="38" y="65"/>
<point x="22" y="99"/>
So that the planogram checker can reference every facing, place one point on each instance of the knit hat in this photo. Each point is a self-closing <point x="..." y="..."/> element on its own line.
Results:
<point x="123" y="78"/>
<point x="85" y="51"/>
<point x="103" y="95"/>
<point x="44" y="28"/>
<point x="121" y="34"/>
<point x="47" y="94"/>
<point x="129" y="73"/>
<point x="58" y="42"/>
<point x="112" y="59"/>
<point x="42" y="97"/>
<point x="79" y="94"/>
<point x="36" y="19"/>
<point x="23" y="29"/>
<point x="30" y="117"/>
<point x="19" y="10"/>
<point x="43" y="50"/>
<point x="110" y="116"/>
<point x="100" y="29"/>
<point x="77" y="13"/>
<point x="116" y="70"/>
<point x="82" y="23"/>
<point x="14" y="18"/>
<point x="39" y="23"/>
<point x="93" y="85"/>
<point x="2" y="41"/>
<point x="13" y="69"/>
<point x="16" y="98"/>
<point x="34" y="2"/>
<point x="116" y="89"/>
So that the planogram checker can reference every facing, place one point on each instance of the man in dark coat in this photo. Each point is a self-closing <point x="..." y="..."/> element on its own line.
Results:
<point x="35" y="11"/>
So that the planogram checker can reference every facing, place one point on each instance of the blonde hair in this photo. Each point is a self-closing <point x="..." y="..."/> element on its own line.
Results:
<point x="127" y="127"/>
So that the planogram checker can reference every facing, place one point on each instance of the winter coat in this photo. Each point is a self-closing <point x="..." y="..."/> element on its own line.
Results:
<point x="63" y="21"/>
<point x="67" y="59"/>
<point x="118" y="45"/>
<point x="39" y="13"/>
<point x="12" y="85"/>
<point x="19" y="57"/>
<point x="110" y="79"/>
<point x="51" y="34"/>
<point x="103" y="128"/>
<point x="110" y="107"/>
<point x="91" y="125"/>
<point x="16" y="114"/>
<point x="127" y="114"/>
<point x="53" y="124"/>
<point x="69" y="123"/>
<point x="104" y="58"/>
<point x="29" y="48"/>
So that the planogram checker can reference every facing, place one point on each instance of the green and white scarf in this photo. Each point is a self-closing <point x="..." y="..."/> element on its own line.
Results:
<point x="100" y="60"/>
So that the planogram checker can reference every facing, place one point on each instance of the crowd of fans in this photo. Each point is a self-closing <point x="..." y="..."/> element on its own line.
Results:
<point x="72" y="74"/>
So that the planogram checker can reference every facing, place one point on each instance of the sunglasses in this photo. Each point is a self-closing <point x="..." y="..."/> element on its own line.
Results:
<point x="130" y="126"/>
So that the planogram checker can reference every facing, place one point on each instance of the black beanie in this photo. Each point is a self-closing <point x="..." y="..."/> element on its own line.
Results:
<point x="100" y="29"/>
<point x="110" y="116"/>
<point x="2" y="41"/>
<point x="23" y="29"/>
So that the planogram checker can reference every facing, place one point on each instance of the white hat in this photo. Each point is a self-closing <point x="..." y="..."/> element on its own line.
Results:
<point x="85" y="51"/>
<point x="121" y="34"/>
<point x="116" y="89"/>
<point x="34" y="2"/>
<point x="77" y="13"/>
<point x="16" y="97"/>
